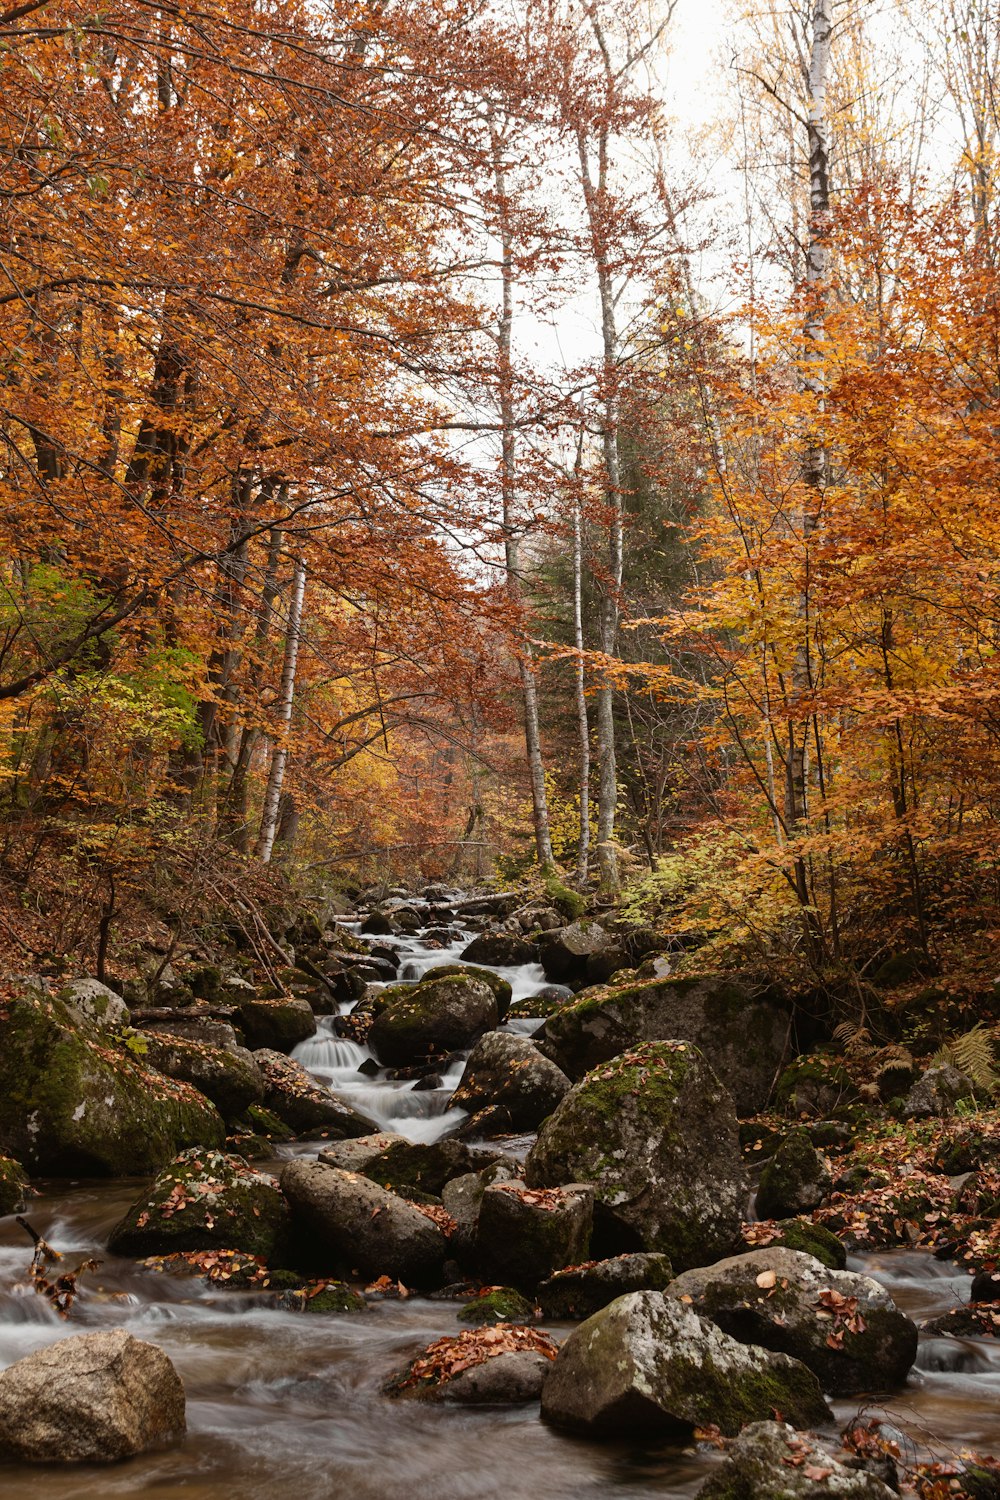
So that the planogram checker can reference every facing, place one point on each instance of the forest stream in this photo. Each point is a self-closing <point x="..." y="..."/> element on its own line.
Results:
<point x="278" y="1399"/>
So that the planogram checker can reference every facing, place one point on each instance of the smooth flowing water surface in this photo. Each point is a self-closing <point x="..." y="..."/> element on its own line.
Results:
<point x="279" y="1401"/>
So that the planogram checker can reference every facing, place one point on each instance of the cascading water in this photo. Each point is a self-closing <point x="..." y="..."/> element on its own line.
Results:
<point x="419" y="1114"/>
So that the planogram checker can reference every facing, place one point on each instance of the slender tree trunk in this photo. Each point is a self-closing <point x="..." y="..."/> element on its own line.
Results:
<point x="814" y="456"/>
<point x="595" y="199"/>
<point x="233" y="816"/>
<point x="286" y="698"/>
<point x="508" y="490"/>
<point x="583" y="720"/>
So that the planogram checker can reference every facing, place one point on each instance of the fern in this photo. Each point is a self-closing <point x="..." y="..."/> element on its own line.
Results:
<point x="855" y="1039"/>
<point x="972" y="1054"/>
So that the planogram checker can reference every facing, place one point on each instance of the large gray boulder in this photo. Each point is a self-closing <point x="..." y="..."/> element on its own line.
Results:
<point x="742" y="1029"/>
<point x="92" y="1399"/>
<point x="363" y="1226"/>
<point x="205" y="1200"/>
<point x="417" y="1022"/>
<point x="936" y="1093"/>
<point x="522" y="1236"/>
<point x="304" y="1104"/>
<point x="567" y="952"/>
<point x="96" y="1004"/>
<point x="229" y="1076"/>
<point x="501" y="987"/>
<point x="501" y="949"/>
<point x="508" y="1085"/>
<point x="648" y="1365"/>
<point x="845" y="1327"/>
<point x="72" y="1104"/>
<point x="657" y="1135"/>
<point x="771" y="1461"/>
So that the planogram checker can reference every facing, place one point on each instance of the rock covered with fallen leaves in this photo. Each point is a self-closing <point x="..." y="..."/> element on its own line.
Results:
<point x="304" y="1104"/>
<point x="508" y="1085"/>
<point x="657" y="1135"/>
<point x="229" y="1076"/>
<point x="95" y="1398"/>
<point x="361" y="1226"/>
<point x="524" y="1234"/>
<point x="205" y="1200"/>
<point x="579" y="1291"/>
<point x="500" y="1365"/>
<point x="844" y="1327"/>
<point x="771" y="1461"/>
<point x="647" y="1364"/>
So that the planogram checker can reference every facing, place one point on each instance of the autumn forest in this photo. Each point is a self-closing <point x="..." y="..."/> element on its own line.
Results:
<point x="469" y="489"/>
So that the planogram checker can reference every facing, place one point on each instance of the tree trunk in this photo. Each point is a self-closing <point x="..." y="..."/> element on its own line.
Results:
<point x="595" y="201"/>
<point x="508" y="491"/>
<point x="583" y="721"/>
<point x="286" y="698"/>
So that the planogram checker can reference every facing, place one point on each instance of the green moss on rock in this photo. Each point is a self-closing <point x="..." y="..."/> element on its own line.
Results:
<point x="205" y="1200"/>
<point x="501" y="1304"/>
<point x="75" y="1103"/>
<point x="13" y="1186"/>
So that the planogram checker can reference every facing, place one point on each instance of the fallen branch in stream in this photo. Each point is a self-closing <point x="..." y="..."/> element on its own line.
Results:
<point x="62" y="1291"/>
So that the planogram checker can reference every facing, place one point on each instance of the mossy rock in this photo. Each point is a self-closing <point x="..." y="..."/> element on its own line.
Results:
<point x="501" y="987"/>
<point x="431" y="1019"/>
<point x="580" y="1291"/>
<point x="279" y="1025"/>
<point x="410" y="1166"/>
<point x="903" y="968"/>
<point x="500" y="1304"/>
<point x="13" y="1186"/>
<point x="647" y="1366"/>
<point x="329" y="1297"/>
<point x="795" y="1180"/>
<point x="741" y="1029"/>
<point x="817" y="1085"/>
<point x="267" y="1124"/>
<point x="656" y="1133"/>
<point x="812" y="1239"/>
<point x="73" y="1104"/>
<point x="205" y="1200"/>
<point x="230" y="1078"/>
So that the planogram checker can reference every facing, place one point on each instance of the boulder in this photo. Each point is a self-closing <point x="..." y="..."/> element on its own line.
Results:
<point x="770" y="1461"/>
<point x="205" y="1200"/>
<point x="502" y="950"/>
<point x="354" y="1154"/>
<point x="657" y="1135"/>
<point x="648" y="1366"/>
<point x="844" y="1326"/>
<point x="497" y="1366"/>
<point x="508" y="1077"/>
<point x="524" y="1234"/>
<point x="278" y="1025"/>
<point x="501" y="988"/>
<point x="96" y="1005"/>
<point x="936" y="1093"/>
<point x="362" y="1225"/>
<point x="742" y="1029"/>
<point x="795" y="1180"/>
<point x="95" y="1398"/>
<point x="296" y="1097"/>
<point x="819" y="1086"/>
<point x="13" y="1186"/>
<point x="72" y="1105"/>
<point x="229" y="1077"/>
<point x="580" y="1291"/>
<point x="566" y="952"/>
<point x="406" y="1165"/>
<point x="418" y="1022"/>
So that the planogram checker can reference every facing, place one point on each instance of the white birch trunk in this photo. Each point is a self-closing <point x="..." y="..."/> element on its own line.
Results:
<point x="583" y="855"/>
<point x="286" y="698"/>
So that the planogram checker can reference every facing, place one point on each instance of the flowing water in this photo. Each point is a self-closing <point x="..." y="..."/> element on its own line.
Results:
<point x="279" y="1399"/>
